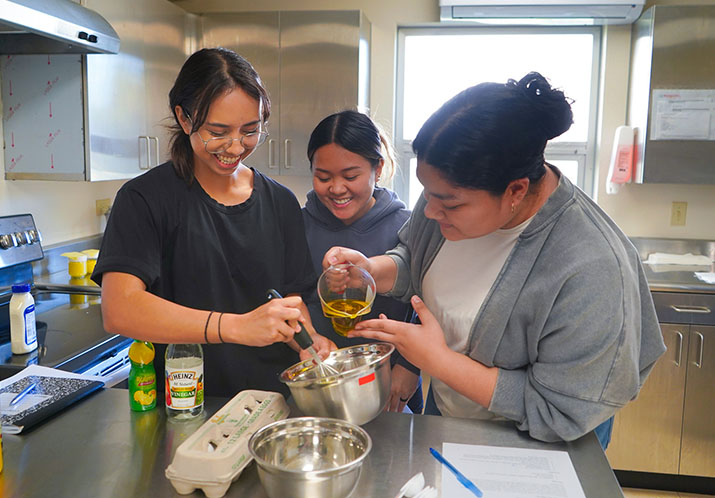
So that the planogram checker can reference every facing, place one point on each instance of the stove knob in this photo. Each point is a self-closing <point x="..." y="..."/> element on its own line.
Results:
<point x="35" y="235"/>
<point x="7" y="241"/>
<point x="21" y="238"/>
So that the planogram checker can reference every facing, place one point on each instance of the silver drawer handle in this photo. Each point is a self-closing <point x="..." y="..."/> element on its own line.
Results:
<point x="148" y="158"/>
<point x="699" y="363"/>
<point x="286" y="153"/>
<point x="156" y="151"/>
<point x="271" y="144"/>
<point x="680" y="348"/>
<point x="691" y="309"/>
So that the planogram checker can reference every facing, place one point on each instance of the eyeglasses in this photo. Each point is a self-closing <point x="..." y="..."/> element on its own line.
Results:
<point x="251" y="140"/>
<point x="217" y="145"/>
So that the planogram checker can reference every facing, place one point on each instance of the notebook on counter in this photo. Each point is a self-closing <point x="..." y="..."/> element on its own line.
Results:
<point x="53" y="391"/>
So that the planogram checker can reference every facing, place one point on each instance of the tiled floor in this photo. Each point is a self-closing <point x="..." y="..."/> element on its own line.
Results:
<point x="649" y="493"/>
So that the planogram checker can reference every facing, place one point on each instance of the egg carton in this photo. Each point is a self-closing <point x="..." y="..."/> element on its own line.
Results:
<point x="216" y="454"/>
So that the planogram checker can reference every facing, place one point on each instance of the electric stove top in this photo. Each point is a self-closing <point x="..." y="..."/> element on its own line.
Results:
<point x="70" y="332"/>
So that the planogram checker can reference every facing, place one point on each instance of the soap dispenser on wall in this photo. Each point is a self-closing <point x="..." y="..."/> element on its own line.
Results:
<point x="620" y="170"/>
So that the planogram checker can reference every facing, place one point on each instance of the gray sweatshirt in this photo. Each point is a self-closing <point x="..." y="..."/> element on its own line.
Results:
<point x="569" y="320"/>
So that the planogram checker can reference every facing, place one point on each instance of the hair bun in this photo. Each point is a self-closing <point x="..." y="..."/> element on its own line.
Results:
<point x="552" y="107"/>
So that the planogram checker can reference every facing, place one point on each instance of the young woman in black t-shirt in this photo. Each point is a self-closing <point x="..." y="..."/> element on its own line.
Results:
<point x="192" y="246"/>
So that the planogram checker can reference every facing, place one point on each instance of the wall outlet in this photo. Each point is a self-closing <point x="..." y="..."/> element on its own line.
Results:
<point x="677" y="213"/>
<point x="103" y="206"/>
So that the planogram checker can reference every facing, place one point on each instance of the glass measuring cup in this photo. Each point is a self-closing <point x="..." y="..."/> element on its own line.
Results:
<point x="346" y="294"/>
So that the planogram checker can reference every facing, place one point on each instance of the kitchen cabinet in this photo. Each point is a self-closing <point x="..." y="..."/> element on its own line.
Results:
<point x="671" y="94"/>
<point x="313" y="63"/>
<point x="697" y="454"/>
<point x="669" y="428"/>
<point x="95" y="117"/>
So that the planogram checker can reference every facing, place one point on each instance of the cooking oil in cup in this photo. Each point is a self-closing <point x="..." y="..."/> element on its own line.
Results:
<point x="346" y="294"/>
<point x="344" y="314"/>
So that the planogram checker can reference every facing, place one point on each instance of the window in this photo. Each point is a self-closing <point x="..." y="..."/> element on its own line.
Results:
<point x="436" y="63"/>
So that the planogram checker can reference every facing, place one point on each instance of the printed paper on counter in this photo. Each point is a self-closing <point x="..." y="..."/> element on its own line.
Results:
<point x="510" y="472"/>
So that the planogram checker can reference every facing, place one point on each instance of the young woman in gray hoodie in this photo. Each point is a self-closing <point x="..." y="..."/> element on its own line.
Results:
<point x="534" y="305"/>
<point x="347" y="154"/>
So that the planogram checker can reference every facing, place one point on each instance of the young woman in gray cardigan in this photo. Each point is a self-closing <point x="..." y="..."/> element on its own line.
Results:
<point x="533" y="304"/>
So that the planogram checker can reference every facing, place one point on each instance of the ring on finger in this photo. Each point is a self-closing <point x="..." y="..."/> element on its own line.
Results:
<point x="404" y="400"/>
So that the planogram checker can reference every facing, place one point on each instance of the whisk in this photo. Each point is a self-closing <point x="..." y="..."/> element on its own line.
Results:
<point x="306" y="342"/>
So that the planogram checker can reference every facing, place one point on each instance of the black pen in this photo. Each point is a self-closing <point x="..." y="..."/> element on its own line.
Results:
<point x="23" y="393"/>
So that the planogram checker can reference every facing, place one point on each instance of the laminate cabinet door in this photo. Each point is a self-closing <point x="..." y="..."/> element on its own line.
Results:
<point x="646" y="432"/>
<point x="697" y="456"/>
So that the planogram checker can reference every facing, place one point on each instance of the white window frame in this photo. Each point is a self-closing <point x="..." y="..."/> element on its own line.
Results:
<point x="582" y="152"/>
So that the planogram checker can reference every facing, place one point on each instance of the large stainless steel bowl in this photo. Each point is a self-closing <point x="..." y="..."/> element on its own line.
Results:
<point x="358" y="394"/>
<point x="309" y="457"/>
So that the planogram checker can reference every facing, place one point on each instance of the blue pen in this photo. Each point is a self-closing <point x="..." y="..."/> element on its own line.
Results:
<point x="460" y="477"/>
<point x="23" y="393"/>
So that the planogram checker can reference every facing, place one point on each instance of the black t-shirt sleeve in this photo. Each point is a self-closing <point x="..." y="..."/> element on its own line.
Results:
<point x="132" y="239"/>
<point x="300" y="276"/>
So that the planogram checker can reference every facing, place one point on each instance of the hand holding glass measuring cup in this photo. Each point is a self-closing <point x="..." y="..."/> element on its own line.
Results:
<point x="346" y="294"/>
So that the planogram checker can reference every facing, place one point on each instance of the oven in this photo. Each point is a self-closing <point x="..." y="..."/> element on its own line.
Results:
<point x="70" y="333"/>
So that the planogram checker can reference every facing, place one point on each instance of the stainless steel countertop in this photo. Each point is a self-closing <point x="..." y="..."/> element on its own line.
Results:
<point x="671" y="278"/>
<point x="100" y="448"/>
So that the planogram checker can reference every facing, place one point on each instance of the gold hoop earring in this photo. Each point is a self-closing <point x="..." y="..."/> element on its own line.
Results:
<point x="512" y="207"/>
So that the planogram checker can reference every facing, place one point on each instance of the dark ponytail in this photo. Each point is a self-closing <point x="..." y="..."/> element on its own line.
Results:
<point x="205" y="75"/>
<point x="491" y="134"/>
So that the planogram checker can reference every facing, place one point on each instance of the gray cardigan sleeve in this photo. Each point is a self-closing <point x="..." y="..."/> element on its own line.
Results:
<point x="420" y="239"/>
<point x="591" y="341"/>
<point x="402" y="288"/>
<point x="561" y="393"/>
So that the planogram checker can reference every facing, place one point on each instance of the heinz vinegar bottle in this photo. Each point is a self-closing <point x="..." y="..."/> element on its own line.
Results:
<point x="184" y="380"/>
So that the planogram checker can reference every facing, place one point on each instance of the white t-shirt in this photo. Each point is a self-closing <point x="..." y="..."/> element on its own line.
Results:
<point x="454" y="288"/>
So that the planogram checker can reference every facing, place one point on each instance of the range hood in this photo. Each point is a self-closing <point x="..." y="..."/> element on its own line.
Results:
<point x="54" y="27"/>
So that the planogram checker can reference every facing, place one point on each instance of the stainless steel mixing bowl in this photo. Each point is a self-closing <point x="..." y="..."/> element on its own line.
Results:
<point x="357" y="394"/>
<point x="309" y="457"/>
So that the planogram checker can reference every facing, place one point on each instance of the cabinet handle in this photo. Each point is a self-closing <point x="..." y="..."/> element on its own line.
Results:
<point x="148" y="159"/>
<point x="286" y="150"/>
<point x="156" y="151"/>
<point x="690" y="309"/>
<point x="271" y="153"/>
<point x="699" y="363"/>
<point x="680" y="348"/>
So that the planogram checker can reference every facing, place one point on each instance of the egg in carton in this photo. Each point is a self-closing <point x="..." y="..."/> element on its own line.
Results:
<point x="216" y="454"/>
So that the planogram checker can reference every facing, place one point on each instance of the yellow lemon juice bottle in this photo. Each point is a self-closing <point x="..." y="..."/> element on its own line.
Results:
<point x="142" y="377"/>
